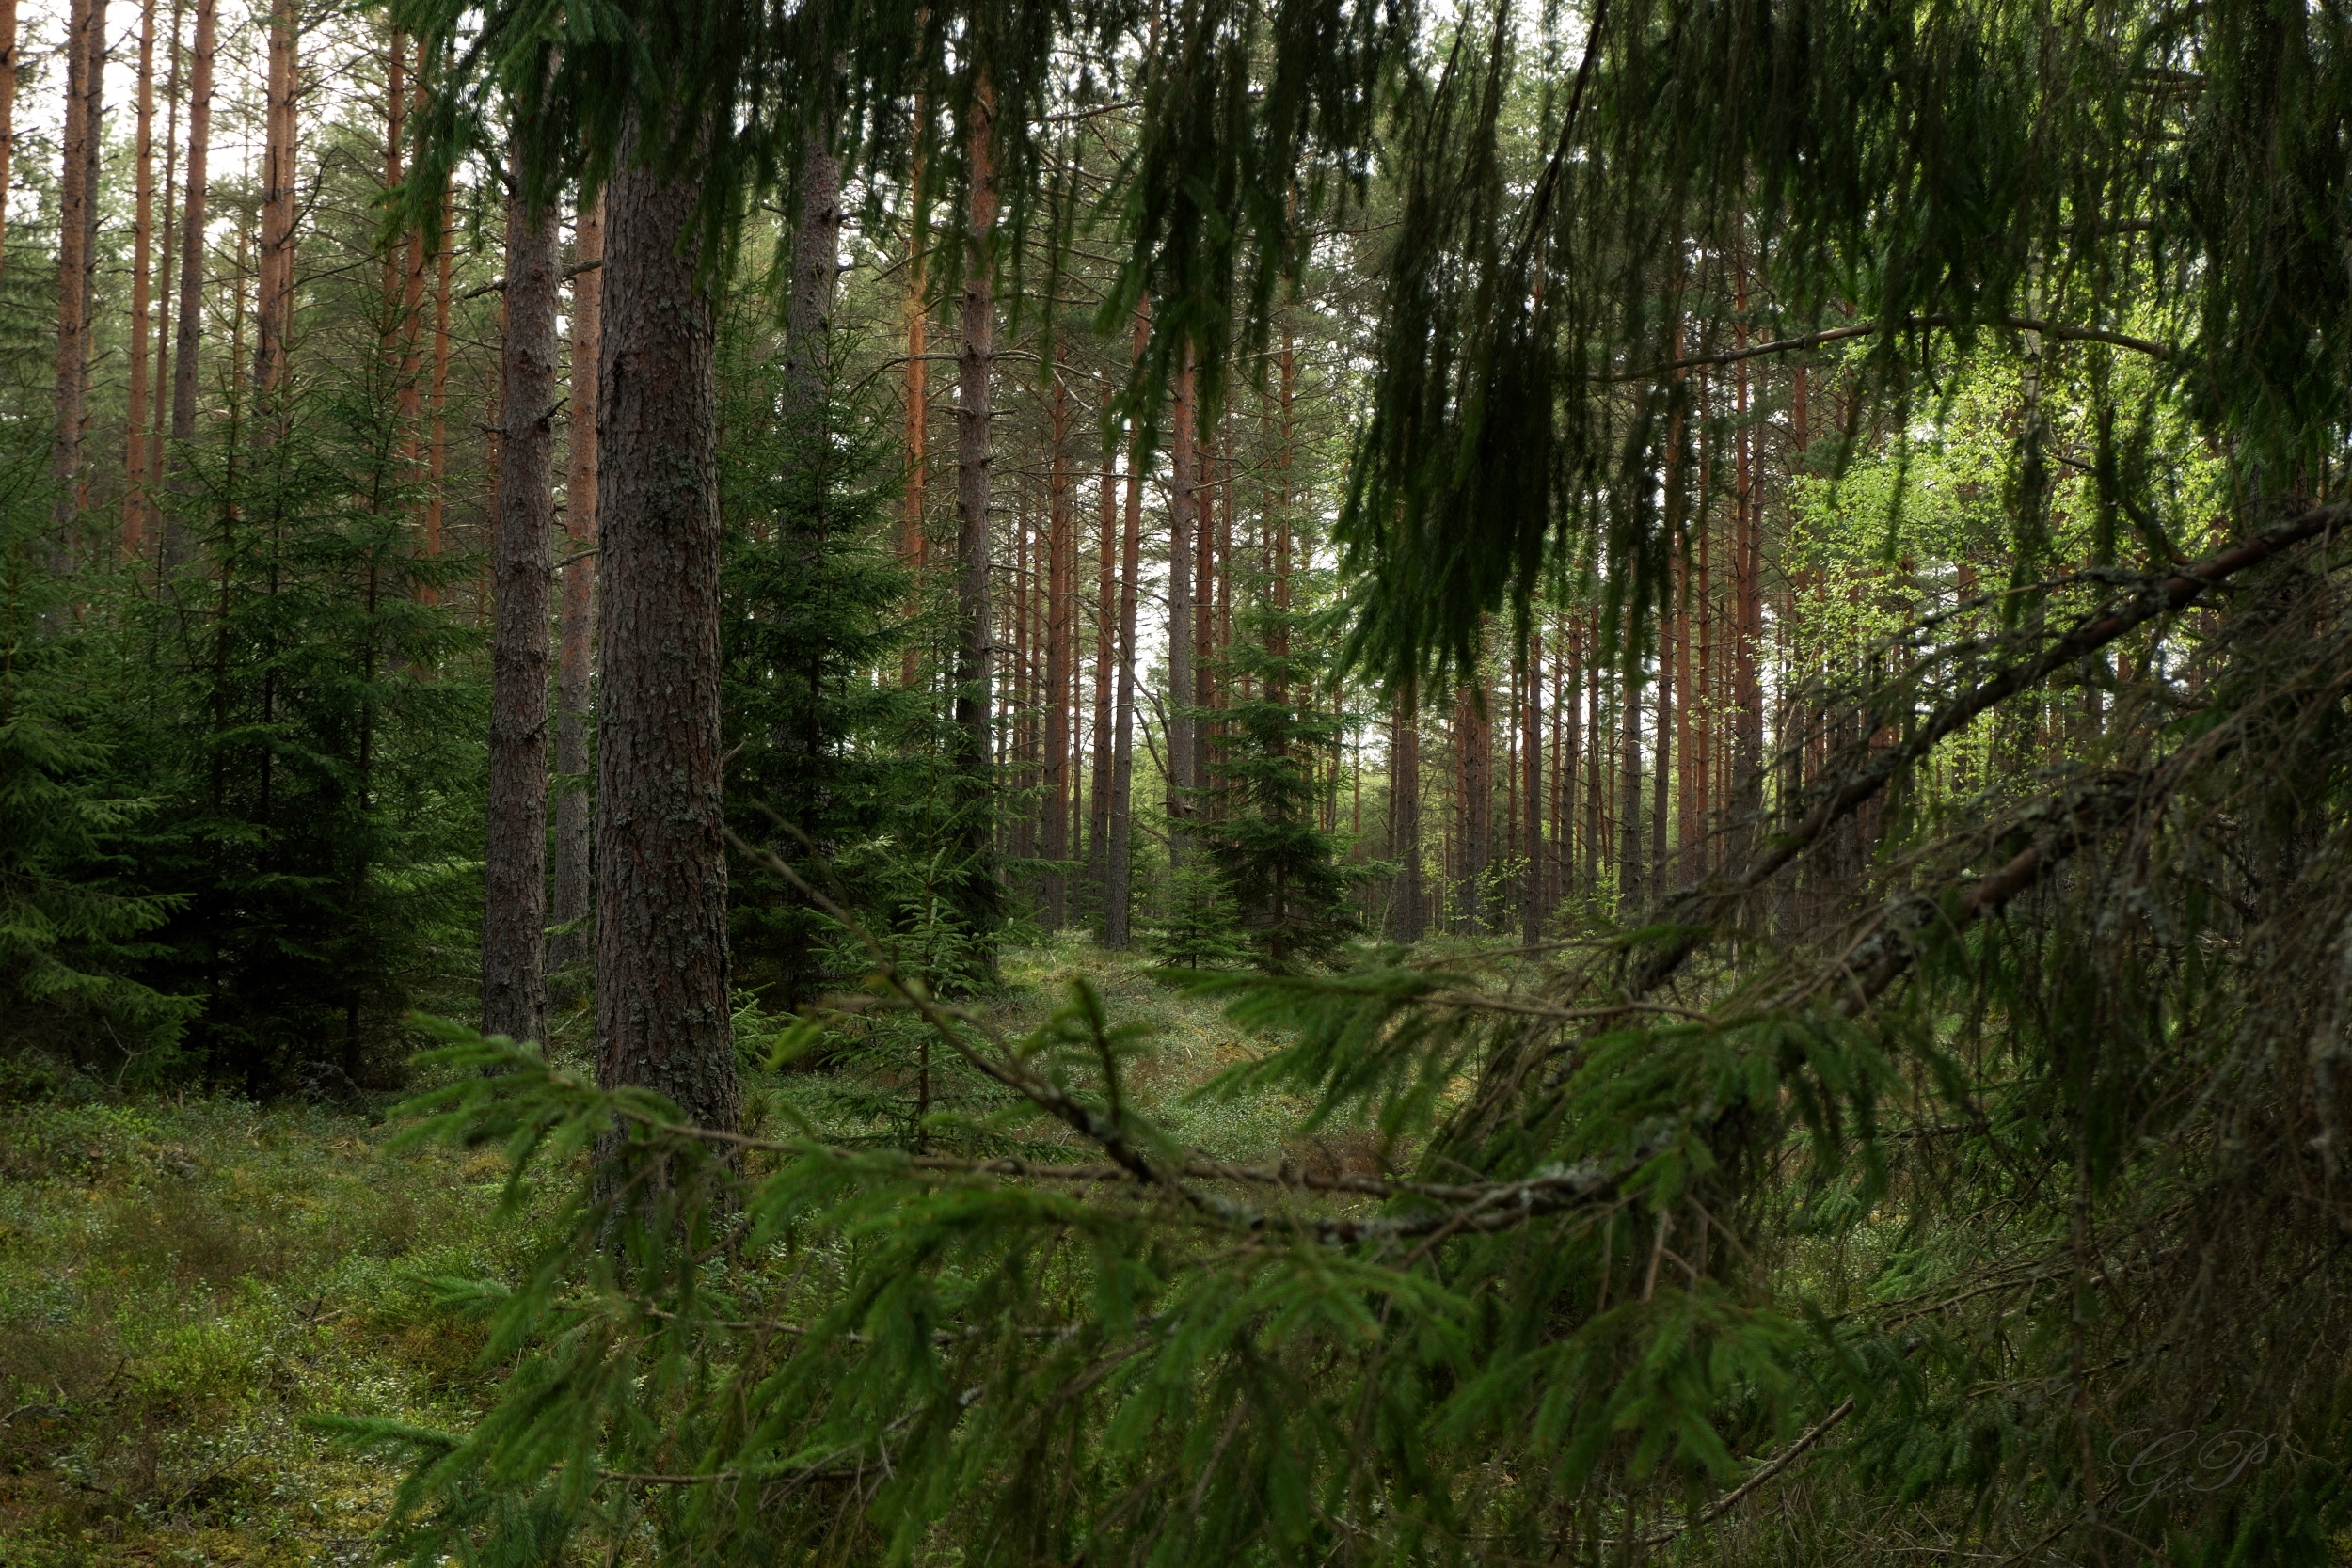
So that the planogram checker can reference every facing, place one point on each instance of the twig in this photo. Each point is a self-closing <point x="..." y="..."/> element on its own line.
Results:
<point x="1732" y="1498"/>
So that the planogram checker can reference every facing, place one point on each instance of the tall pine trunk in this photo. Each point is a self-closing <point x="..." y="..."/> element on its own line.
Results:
<point x="1406" y="923"/>
<point x="1182" y="494"/>
<point x="515" y="916"/>
<point x="8" y="63"/>
<point x="159" y="417"/>
<point x="974" y="651"/>
<point x="184" y="363"/>
<point x="573" y="889"/>
<point x="661" y="853"/>
<point x="1532" y="790"/>
<point x="1055" y="844"/>
<point x="1119" y="851"/>
<point x="436" y="439"/>
<point x="142" y="219"/>
<point x="274" y="308"/>
<point x="913" y="541"/>
<point x="1105" y="655"/>
<point x="77" y="221"/>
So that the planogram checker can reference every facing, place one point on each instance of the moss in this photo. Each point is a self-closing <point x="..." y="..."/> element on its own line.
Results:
<point x="182" y="1282"/>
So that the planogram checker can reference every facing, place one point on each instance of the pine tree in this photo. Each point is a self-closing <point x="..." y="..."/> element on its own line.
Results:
<point x="1282" y="869"/>
<point x="74" y="930"/>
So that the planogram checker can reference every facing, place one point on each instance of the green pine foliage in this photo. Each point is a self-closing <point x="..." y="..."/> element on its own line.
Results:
<point x="75" y="936"/>
<point x="837" y="768"/>
<point x="312" y="735"/>
<point x="1287" y="876"/>
<point x="1198" y="926"/>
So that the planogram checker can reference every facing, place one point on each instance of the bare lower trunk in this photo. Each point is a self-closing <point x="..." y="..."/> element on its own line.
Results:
<point x="1406" y="923"/>
<point x="1474" y="737"/>
<point x="1053" y="845"/>
<point x="514" y="926"/>
<point x="1116" y="853"/>
<point x="1630" y="794"/>
<point x="1184" y="485"/>
<point x="1105" y="655"/>
<point x="1532" y="784"/>
<point x="573" y="942"/>
<point x="184" y="363"/>
<point x="974" y="648"/>
<point x="661" y="874"/>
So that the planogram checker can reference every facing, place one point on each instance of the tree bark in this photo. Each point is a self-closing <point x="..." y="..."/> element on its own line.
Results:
<point x="1055" y="848"/>
<point x="574" y="891"/>
<point x="816" y="275"/>
<point x="1116" y="924"/>
<point x="1406" y="922"/>
<point x="1532" y="789"/>
<point x="515" y="867"/>
<point x="1106" y="656"/>
<point x="1183" y="482"/>
<point x="661" y="875"/>
<point x="184" y="363"/>
<point x="1629" y="790"/>
<point x="159" y="417"/>
<point x="142" y="218"/>
<point x="8" y="62"/>
<point x="913" y="541"/>
<point x="274" y="308"/>
<point x="437" y="454"/>
<point x="974" y="649"/>
<point x="77" y="216"/>
<point x="410" y="403"/>
<point x="1474" y="740"/>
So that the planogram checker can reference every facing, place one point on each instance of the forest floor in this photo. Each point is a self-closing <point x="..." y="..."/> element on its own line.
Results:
<point x="185" y="1280"/>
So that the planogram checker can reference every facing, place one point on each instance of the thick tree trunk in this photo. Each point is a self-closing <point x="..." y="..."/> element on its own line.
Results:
<point x="1473" y="739"/>
<point x="184" y="363"/>
<point x="1630" y="794"/>
<point x="1106" y="656"/>
<point x="274" y="308"/>
<point x="159" y="416"/>
<point x="1115" y="913"/>
<point x="142" y="234"/>
<point x="1182" y="492"/>
<point x="1055" y="843"/>
<point x="515" y="914"/>
<point x="1406" y="923"/>
<point x="77" y="216"/>
<point x="816" y="275"/>
<point x="975" y="649"/>
<point x="1532" y="791"/>
<point x="661" y="874"/>
<point x="436" y="439"/>
<point x="8" y="62"/>
<point x="913" y="541"/>
<point x="412" y="301"/>
<point x="574" y="907"/>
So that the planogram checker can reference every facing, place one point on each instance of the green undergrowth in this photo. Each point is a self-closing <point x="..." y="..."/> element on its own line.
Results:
<point x="184" y="1281"/>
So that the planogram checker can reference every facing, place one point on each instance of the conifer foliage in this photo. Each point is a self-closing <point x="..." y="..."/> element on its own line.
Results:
<point x="1810" y="1029"/>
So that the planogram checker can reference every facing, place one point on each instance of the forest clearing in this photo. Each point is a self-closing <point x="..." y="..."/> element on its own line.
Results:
<point x="1175" y="782"/>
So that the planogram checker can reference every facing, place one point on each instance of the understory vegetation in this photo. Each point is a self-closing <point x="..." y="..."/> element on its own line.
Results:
<point x="1175" y="783"/>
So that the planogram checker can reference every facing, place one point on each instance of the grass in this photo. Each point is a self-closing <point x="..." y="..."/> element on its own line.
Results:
<point x="183" y="1281"/>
